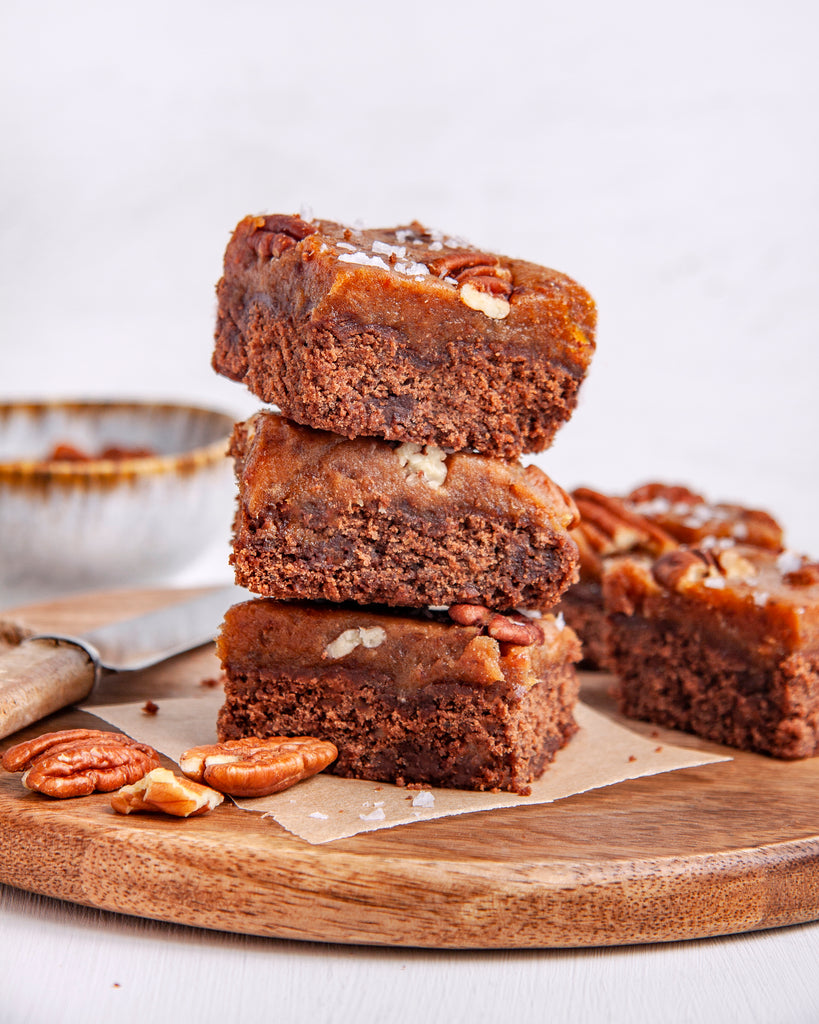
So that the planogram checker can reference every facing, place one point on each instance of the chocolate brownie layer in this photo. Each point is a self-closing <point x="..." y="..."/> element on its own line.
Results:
<point x="323" y="517"/>
<point x="724" y="645"/>
<point x="404" y="698"/>
<point x="653" y="519"/>
<point x="401" y="333"/>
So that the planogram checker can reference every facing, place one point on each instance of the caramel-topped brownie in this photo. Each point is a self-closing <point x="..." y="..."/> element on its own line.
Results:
<point x="479" y="703"/>
<point x="651" y="520"/>
<point x="401" y="333"/>
<point x="720" y="642"/>
<point x="323" y="517"/>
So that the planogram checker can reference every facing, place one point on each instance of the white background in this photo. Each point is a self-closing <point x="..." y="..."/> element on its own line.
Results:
<point x="666" y="156"/>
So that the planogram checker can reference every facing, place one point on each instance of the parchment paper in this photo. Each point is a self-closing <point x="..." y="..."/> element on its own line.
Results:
<point x="602" y="752"/>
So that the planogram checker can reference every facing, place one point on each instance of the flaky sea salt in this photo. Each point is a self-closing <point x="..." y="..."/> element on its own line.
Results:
<point x="423" y="798"/>
<point x="416" y="270"/>
<point x="714" y="583"/>
<point x="761" y="598"/>
<point x="319" y="816"/>
<point x="788" y="561"/>
<point x="363" y="260"/>
<point x="656" y="507"/>
<point x="712" y="543"/>
<point x="529" y="613"/>
<point x="347" y="246"/>
<point x="385" y="249"/>
<point x="376" y="815"/>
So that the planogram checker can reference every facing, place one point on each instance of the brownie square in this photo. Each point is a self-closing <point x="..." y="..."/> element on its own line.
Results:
<point x="320" y="516"/>
<point x="405" y="698"/>
<point x="401" y="333"/>
<point x="723" y="644"/>
<point x="653" y="519"/>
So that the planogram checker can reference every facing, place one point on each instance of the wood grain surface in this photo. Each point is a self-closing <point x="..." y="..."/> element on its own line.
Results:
<point x="706" y="851"/>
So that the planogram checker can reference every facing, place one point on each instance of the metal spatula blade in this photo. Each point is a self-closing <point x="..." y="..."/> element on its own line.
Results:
<point x="50" y="671"/>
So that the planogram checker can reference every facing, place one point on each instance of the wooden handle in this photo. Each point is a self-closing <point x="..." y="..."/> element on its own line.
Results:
<point x="39" y="677"/>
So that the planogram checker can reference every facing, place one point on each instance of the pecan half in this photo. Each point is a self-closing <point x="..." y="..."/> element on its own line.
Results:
<point x="276" y="234"/>
<point x="609" y="526"/>
<point x="672" y="493"/>
<point x="483" y="284"/>
<point x="500" y="627"/>
<point x="161" y="790"/>
<point x="252" y="767"/>
<point x="77" y="762"/>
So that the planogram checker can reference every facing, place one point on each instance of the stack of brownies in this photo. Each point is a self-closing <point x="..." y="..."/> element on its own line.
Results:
<point x="406" y="561"/>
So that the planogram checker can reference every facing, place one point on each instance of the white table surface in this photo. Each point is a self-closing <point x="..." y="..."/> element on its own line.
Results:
<point x="667" y="159"/>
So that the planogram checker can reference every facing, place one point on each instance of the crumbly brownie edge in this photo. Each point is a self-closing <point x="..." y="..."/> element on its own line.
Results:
<point x="669" y="676"/>
<point x="582" y="609"/>
<point x="452" y="735"/>
<point x="404" y="560"/>
<point x="368" y="384"/>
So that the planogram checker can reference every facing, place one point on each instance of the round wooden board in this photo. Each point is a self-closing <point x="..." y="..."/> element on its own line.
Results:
<point x="706" y="851"/>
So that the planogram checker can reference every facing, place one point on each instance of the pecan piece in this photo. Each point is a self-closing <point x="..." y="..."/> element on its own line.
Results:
<point x="483" y="284"/>
<point x="251" y="767"/>
<point x="805" y="576"/>
<point x="734" y="565"/>
<point x="672" y="493"/>
<point x="162" y="790"/>
<point x="276" y="234"/>
<point x="610" y="526"/>
<point x="500" y="627"/>
<point x="78" y="762"/>
<point x="679" y="569"/>
<point x="511" y="631"/>
<point x="22" y="755"/>
<point x="469" y="614"/>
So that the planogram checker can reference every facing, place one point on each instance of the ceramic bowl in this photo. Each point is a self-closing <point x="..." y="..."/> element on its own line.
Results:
<point x="130" y="519"/>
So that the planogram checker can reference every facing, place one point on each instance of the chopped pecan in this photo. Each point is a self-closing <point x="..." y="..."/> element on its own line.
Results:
<point x="483" y="284"/>
<point x="735" y="565"/>
<point x="686" y="566"/>
<point x="276" y="234"/>
<point x="253" y="767"/>
<point x="679" y="569"/>
<point x="162" y="790"/>
<point x="500" y="627"/>
<point x="77" y="762"/>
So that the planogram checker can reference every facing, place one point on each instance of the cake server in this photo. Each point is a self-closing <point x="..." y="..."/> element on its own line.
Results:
<point x="49" y="671"/>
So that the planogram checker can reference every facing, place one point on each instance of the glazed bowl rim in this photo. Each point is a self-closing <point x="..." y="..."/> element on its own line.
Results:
<point x="184" y="462"/>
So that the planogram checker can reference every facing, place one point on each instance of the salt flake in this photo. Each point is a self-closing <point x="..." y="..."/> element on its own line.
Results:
<point x="376" y="815"/>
